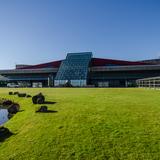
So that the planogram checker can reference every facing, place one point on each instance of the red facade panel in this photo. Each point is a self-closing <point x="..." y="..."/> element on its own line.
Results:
<point x="94" y="62"/>
<point x="55" y="64"/>
<point x="104" y="62"/>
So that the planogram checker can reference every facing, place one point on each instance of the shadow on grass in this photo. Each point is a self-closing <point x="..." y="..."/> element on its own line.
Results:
<point x="49" y="102"/>
<point x="5" y="134"/>
<point x="21" y="110"/>
<point x="48" y="111"/>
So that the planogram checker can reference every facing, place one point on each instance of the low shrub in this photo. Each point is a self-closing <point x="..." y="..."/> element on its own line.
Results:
<point x="10" y="93"/>
<point x="38" y="99"/>
<point x="22" y="94"/>
<point x="42" y="109"/>
<point x="16" y="93"/>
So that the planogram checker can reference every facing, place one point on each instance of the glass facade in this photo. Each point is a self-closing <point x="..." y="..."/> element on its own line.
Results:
<point x="74" y="69"/>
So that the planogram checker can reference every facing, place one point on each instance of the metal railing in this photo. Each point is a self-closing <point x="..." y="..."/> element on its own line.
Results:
<point x="153" y="82"/>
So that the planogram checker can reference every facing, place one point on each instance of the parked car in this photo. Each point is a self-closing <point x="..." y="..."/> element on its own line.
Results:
<point x="12" y="85"/>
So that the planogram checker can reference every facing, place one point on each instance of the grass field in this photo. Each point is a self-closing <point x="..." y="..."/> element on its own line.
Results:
<point x="89" y="124"/>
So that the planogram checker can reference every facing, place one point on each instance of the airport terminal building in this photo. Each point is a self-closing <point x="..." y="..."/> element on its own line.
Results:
<point x="81" y="70"/>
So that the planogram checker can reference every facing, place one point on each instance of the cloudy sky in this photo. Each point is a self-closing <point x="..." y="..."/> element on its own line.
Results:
<point x="37" y="31"/>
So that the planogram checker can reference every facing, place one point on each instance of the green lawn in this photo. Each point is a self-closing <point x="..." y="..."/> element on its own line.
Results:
<point x="89" y="124"/>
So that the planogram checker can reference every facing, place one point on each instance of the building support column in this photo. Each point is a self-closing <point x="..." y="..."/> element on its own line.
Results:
<point x="50" y="81"/>
<point x="126" y="83"/>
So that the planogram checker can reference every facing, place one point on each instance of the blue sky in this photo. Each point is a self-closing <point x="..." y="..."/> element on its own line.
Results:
<point x="37" y="31"/>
